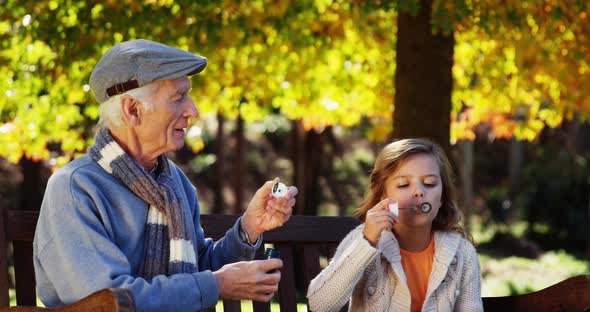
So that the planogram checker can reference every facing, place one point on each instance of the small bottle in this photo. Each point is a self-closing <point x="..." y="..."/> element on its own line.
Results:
<point x="271" y="253"/>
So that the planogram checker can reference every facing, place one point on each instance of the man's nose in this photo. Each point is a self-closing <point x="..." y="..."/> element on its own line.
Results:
<point x="191" y="110"/>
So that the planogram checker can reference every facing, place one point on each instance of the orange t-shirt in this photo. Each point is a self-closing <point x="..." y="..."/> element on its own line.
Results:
<point x="417" y="266"/>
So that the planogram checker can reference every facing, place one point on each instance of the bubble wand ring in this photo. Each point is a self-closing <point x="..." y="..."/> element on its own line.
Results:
<point x="425" y="207"/>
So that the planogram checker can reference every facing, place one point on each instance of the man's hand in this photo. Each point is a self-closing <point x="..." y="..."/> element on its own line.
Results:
<point x="249" y="280"/>
<point x="265" y="212"/>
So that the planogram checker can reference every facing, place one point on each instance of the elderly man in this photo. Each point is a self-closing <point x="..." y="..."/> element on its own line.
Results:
<point x="124" y="216"/>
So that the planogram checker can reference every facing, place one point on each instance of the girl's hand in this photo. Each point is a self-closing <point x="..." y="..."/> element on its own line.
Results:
<point x="378" y="218"/>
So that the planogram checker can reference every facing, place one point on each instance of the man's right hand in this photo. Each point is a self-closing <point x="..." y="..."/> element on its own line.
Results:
<point x="249" y="280"/>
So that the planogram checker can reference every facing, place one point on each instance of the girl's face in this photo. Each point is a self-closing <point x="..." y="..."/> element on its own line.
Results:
<point x="415" y="181"/>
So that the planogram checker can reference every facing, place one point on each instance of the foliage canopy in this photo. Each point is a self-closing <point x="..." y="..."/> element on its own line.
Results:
<point x="519" y="65"/>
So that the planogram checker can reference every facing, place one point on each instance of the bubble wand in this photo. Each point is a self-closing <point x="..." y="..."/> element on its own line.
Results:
<point x="279" y="190"/>
<point x="425" y="207"/>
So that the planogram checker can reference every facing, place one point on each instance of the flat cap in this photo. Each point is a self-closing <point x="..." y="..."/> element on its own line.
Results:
<point x="133" y="64"/>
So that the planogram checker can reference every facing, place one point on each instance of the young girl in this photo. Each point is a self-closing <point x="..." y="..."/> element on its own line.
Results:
<point x="418" y="260"/>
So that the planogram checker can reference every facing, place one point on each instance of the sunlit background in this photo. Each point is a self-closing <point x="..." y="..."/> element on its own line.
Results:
<point x="305" y="90"/>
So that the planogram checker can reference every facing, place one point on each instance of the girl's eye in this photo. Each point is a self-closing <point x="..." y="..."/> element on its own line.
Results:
<point x="402" y="185"/>
<point x="430" y="184"/>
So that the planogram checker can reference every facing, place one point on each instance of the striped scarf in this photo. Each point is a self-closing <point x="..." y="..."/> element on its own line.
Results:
<point x="168" y="245"/>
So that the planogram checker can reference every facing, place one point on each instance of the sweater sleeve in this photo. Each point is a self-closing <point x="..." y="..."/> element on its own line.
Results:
<point x="469" y="296"/>
<point x="75" y="256"/>
<point x="230" y="248"/>
<point x="333" y="287"/>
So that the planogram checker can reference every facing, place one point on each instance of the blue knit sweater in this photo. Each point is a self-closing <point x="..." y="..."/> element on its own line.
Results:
<point x="90" y="236"/>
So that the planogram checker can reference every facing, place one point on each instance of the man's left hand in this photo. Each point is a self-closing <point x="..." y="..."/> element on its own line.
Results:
<point x="265" y="212"/>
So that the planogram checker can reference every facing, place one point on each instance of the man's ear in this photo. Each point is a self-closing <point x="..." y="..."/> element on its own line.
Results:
<point x="130" y="110"/>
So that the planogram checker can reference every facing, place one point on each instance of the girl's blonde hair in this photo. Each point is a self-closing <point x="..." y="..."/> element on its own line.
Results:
<point x="391" y="158"/>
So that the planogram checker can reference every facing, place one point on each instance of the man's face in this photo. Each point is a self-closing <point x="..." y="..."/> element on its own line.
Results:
<point x="162" y="128"/>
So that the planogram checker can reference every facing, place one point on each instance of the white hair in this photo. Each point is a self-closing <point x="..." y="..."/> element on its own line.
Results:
<point x="110" y="111"/>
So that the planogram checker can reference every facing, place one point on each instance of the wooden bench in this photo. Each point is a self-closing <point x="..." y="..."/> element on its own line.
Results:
<point x="301" y="242"/>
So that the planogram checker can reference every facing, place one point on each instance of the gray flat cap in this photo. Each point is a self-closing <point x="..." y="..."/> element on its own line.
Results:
<point x="133" y="64"/>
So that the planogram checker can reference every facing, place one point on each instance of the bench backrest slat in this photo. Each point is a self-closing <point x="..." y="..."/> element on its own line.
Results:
<point x="311" y="262"/>
<point x="299" y="229"/>
<point x="20" y="225"/>
<point x="231" y="306"/>
<point x="287" y="291"/>
<point x="260" y="306"/>
<point x="4" y="278"/>
<point x="24" y="273"/>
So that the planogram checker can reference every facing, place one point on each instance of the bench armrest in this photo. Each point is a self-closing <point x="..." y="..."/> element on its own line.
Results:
<point x="105" y="300"/>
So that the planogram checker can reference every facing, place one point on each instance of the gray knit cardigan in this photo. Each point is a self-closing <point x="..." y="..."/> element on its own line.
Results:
<point x="373" y="279"/>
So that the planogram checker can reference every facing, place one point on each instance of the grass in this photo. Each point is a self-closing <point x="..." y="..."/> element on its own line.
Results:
<point x="514" y="275"/>
<point x="247" y="307"/>
<point x="12" y="296"/>
<point x="504" y="276"/>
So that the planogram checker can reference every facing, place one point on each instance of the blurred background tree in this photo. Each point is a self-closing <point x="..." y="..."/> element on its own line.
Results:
<point x="310" y="90"/>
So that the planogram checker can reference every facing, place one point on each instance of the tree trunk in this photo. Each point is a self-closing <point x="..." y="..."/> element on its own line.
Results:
<point x="219" y="174"/>
<point x="583" y="138"/>
<point x="298" y="158"/>
<point x="467" y="181"/>
<point x="583" y="148"/>
<point x="423" y="79"/>
<point x="516" y="158"/>
<point x="307" y="153"/>
<point x="332" y="151"/>
<point x="514" y="174"/>
<point x="313" y="164"/>
<point x="239" y="166"/>
<point x="588" y="241"/>
<point x="31" y="194"/>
